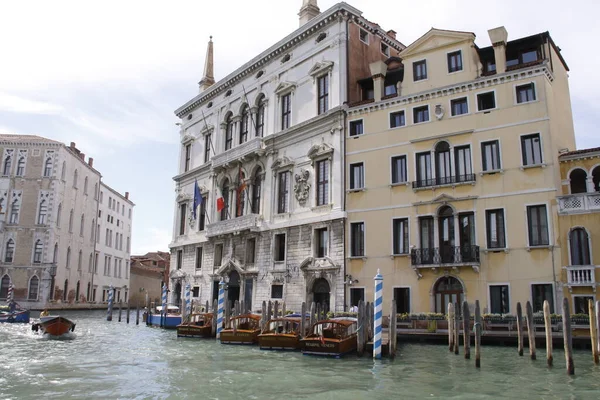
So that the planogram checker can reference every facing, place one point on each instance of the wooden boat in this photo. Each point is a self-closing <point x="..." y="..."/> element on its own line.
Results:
<point x="18" y="315"/>
<point x="332" y="337"/>
<point x="54" y="325"/>
<point x="242" y="329"/>
<point x="168" y="321"/>
<point x="281" y="334"/>
<point x="197" y="326"/>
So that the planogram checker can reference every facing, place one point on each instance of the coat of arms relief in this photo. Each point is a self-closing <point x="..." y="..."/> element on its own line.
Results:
<point x="302" y="186"/>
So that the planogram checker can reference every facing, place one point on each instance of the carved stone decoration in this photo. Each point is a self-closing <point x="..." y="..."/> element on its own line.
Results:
<point x="191" y="220"/>
<point x="302" y="186"/>
<point x="439" y="111"/>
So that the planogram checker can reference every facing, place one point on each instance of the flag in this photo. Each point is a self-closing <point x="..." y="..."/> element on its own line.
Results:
<point x="197" y="198"/>
<point x="220" y="204"/>
<point x="241" y="186"/>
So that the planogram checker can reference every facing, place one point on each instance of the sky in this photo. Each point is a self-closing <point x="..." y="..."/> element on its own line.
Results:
<point x="108" y="75"/>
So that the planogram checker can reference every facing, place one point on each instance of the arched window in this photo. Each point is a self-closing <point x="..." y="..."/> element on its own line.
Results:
<point x="578" y="181"/>
<point x="442" y="163"/>
<point x="71" y="221"/>
<point x="241" y="196"/>
<point x="256" y="190"/>
<point x="90" y="264"/>
<point x="89" y="291"/>
<point x="447" y="290"/>
<point x="75" y="177"/>
<point x="58" y="215"/>
<point x="228" y="131"/>
<point x="96" y="191"/>
<point x="260" y="116"/>
<point x="43" y="212"/>
<point x="55" y="255"/>
<point x="21" y="166"/>
<point x="579" y="245"/>
<point x="5" y="283"/>
<point x="85" y="185"/>
<point x="63" y="173"/>
<point x="14" y="212"/>
<point x="92" y="230"/>
<point x="34" y="284"/>
<point x="48" y="167"/>
<point x="7" y="165"/>
<point x="596" y="178"/>
<point x="65" y="290"/>
<point x="37" y="252"/>
<point x="68" y="257"/>
<point x="225" y="195"/>
<point x="79" y="261"/>
<point x="245" y="124"/>
<point x="10" y="251"/>
<point x="81" y="225"/>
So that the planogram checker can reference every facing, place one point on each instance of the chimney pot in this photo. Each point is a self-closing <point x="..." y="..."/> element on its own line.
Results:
<point x="127" y="195"/>
<point x="72" y="145"/>
<point x="82" y="156"/>
<point x="391" y="33"/>
<point x="91" y="162"/>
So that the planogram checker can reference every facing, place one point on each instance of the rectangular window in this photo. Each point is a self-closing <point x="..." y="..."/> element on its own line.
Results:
<point x="537" y="220"/>
<point x="424" y="170"/>
<point x="580" y="304"/>
<point x="283" y="192"/>
<point x="182" y="215"/>
<point x="462" y="164"/>
<point x="196" y="291"/>
<point x="279" y="249"/>
<point x="525" y="93"/>
<point x="321" y="242"/>
<point x="356" y="295"/>
<point x="459" y="106"/>
<point x="531" y="149"/>
<point x="539" y="293"/>
<point x="179" y="258"/>
<point x="218" y="256"/>
<point x="420" y="70"/>
<point x="250" y="251"/>
<point x="286" y="110"/>
<point x="420" y="114"/>
<point x="397" y="119"/>
<point x="207" y="144"/>
<point x="496" y="237"/>
<point x="400" y="236"/>
<point x="455" y="61"/>
<point x="357" y="239"/>
<point x="202" y="221"/>
<point x="198" y="257"/>
<point x="364" y="36"/>
<point x="486" y="101"/>
<point x="323" y="86"/>
<point x="490" y="156"/>
<point x="188" y="156"/>
<point x="356" y="127"/>
<point x="357" y="176"/>
<point x="14" y="213"/>
<point x="277" y="291"/>
<point x="402" y="297"/>
<point x="499" y="299"/>
<point x="385" y="49"/>
<point x="322" y="182"/>
<point x="399" y="174"/>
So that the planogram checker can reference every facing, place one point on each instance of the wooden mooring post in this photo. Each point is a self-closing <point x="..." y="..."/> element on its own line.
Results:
<point x="371" y="321"/>
<point x="519" y="329"/>
<point x="548" y="329"/>
<point x="456" y="327"/>
<point x="283" y="310"/>
<point x="269" y="311"/>
<point x="530" y="330"/>
<point x="206" y="309"/>
<point x="313" y="317"/>
<point x="360" y="334"/>
<point x="392" y="331"/>
<point x="137" y="314"/>
<point x="120" y="310"/>
<point x="466" y="330"/>
<point x="450" y="327"/>
<point x="593" y="332"/>
<point x="276" y="309"/>
<point x="227" y="312"/>
<point x="214" y="317"/>
<point x="303" y="320"/>
<point x="598" y="325"/>
<point x="567" y="337"/>
<point x="128" y="310"/>
<point x="263" y="315"/>
<point x="478" y="329"/>
<point x="148" y="305"/>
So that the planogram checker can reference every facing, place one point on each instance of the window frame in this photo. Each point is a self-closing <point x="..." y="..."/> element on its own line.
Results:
<point x="360" y="32"/>
<point x="416" y="109"/>
<point x="285" y="113"/>
<point x="524" y="137"/>
<point x="354" y="123"/>
<point x="415" y="65"/>
<point x="279" y="285"/>
<point x="410" y="301"/>
<point x="277" y="246"/>
<point x="553" y="305"/>
<point x="448" y="56"/>
<point x="222" y="247"/>
<point x="317" y="238"/>
<point x="487" y="109"/>
<point x="516" y="93"/>
<point x="207" y="145"/>
<point x="351" y="175"/>
<point x="283" y="196"/>
<point x="406" y="237"/>
<point x="499" y="154"/>
<point x="498" y="284"/>
<point x="247" y="250"/>
<point x="182" y="211"/>
<point x="351" y="237"/>
<point x="198" y="258"/>
<point x="356" y="289"/>
<point x="393" y="113"/>
<point x="325" y="96"/>
<point x="384" y="50"/>
<point x="392" y="165"/>
<point x="322" y="191"/>
<point x="488" y="212"/>
<point x="187" y="149"/>
<point x="451" y="101"/>
<point x="529" y="226"/>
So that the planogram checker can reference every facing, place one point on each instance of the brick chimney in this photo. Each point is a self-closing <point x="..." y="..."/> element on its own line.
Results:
<point x="498" y="37"/>
<point x="91" y="162"/>
<point x="72" y="145"/>
<point x="127" y="195"/>
<point x="391" y="33"/>
<point x="82" y="156"/>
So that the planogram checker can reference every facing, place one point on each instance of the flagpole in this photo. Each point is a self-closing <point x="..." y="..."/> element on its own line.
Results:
<point x="209" y="138"/>
<point x="251" y="118"/>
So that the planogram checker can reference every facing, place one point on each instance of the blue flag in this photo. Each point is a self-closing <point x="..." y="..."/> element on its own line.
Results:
<point x="197" y="198"/>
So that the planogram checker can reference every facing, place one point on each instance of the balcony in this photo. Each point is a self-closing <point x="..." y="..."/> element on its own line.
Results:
<point x="579" y="203"/>
<point x="451" y="256"/>
<point x="444" y="181"/>
<point x="581" y="275"/>
<point x="238" y="153"/>
<point x="248" y="222"/>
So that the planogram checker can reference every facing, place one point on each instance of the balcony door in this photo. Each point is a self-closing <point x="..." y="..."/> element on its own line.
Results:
<point x="443" y="171"/>
<point x="446" y="232"/>
<point x="426" y="239"/>
<point x="466" y="223"/>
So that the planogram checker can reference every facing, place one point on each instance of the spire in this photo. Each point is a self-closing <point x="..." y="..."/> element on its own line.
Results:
<point x="309" y="10"/>
<point x="209" y="77"/>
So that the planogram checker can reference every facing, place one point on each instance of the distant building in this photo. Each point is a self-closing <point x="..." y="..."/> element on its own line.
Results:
<point x="48" y="235"/>
<point x="148" y="273"/>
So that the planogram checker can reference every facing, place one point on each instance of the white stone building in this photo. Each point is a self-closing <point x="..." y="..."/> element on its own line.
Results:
<point x="267" y="141"/>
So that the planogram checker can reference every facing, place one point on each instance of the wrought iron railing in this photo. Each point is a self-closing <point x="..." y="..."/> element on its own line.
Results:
<point x="465" y="254"/>
<point x="443" y="180"/>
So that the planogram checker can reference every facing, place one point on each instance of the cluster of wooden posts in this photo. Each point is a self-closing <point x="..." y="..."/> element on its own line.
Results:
<point x="366" y="327"/>
<point x="454" y="325"/>
<point x="127" y="312"/>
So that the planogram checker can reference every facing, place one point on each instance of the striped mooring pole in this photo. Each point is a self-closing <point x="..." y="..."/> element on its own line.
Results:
<point x="221" y="308"/>
<point x="163" y="313"/>
<point x="10" y="299"/>
<point x="110" y="303"/>
<point x="377" y="319"/>
<point x="188" y="300"/>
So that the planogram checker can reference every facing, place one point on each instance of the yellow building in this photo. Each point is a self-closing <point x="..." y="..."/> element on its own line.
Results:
<point x="579" y="225"/>
<point x="452" y="177"/>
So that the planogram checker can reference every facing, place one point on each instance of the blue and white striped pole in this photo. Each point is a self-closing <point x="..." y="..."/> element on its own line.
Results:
<point x="163" y="313"/>
<point x="110" y="303"/>
<point x="220" y="308"/>
<point x="188" y="300"/>
<point x="377" y="324"/>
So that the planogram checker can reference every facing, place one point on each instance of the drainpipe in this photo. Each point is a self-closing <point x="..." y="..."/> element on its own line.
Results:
<point x="557" y="304"/>
<point x="343" y="151"/>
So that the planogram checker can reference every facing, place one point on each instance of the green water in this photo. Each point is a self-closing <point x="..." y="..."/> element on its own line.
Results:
<point x="115" y="360"/>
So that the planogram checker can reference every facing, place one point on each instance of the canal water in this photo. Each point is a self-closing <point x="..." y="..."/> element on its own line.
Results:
<point x="114" y="360"/>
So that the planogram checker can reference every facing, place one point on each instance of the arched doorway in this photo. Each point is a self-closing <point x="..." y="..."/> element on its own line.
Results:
<point x="578" y="181"/>
<point x="233" y="287"/>
<point x="66" y="290"/>
<point x="177" y="294"/>
<point x="447" y="290"/>
<point x="77" y="287"/>
<point x="321" y="292"/>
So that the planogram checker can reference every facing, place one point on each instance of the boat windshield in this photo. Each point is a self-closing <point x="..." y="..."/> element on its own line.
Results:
<point x="333" y="330"/>
<point x="245" y="323"/>
<point x="282" y="326"/>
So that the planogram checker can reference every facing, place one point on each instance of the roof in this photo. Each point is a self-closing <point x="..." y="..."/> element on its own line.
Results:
<point x="577" y="153"/>
<point x="27" y="138"/>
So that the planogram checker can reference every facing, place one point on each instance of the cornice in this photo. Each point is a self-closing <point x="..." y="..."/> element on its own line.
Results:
<point x="198" y="170"/>
<point x="579" y="157"/>
<point x="479" y="83"/>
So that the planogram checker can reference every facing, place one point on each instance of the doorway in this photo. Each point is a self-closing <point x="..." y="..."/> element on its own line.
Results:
<point x="447" y="290"/>
<point x="233" y="287"/>
<point x="321" y="293"/>
<point x="178" y="294"/>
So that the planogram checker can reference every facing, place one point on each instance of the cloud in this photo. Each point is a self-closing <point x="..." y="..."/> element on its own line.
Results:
<point x="18" y="104"/>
